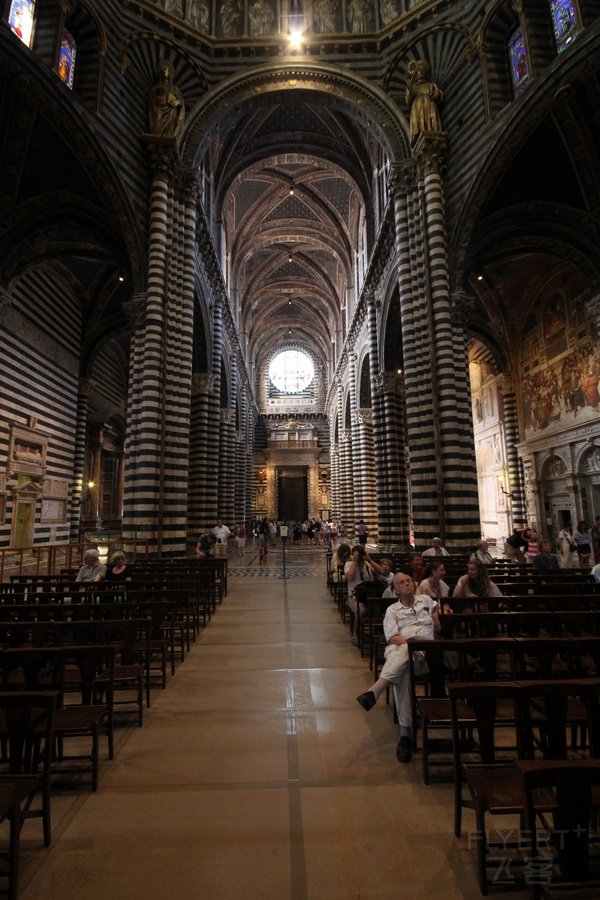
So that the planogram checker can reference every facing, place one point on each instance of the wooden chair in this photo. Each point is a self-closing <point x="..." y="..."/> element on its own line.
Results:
<point x="86" y="716"/>
<point x="27" y="721"/>
<point x="494" y="782"/>
<point x="571" y="782"/>
<point x="433" y="710"/>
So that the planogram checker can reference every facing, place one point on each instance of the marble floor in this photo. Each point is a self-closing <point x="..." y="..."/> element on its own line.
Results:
<point x="257" y="775"/>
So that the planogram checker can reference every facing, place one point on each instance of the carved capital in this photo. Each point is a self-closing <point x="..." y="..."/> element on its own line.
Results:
<point x="203" y="384"/>
<point x="86" y="386"/>
<point x="226" y="416"/>
<point x="402" y="178"/>
<point x="135" y="310"/>
<point x="364" y="416"/>
<point x="187" y="182"/>
<point x="164" y="155"/>
<point x="345" y="435"/>
<point x="388" y="382"/>
<point x="430" y="152"/>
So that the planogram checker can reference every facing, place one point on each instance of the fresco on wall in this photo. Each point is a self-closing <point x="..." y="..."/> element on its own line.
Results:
<point x="561" y="371"/>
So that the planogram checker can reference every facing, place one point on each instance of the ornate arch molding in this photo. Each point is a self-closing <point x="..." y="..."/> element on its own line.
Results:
<point x="371" y="107"/>
<point x="587" y="460"/>
<point x="482" y="348"/>
<point x="522" y="116"/>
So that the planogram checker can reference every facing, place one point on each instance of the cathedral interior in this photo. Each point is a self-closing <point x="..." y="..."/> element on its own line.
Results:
<point x="298" y="258"/>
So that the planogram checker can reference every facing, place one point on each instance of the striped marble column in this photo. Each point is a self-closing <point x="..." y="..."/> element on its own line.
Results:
<point x="380" y="493"/>
<point x="395" y="522"/>
<point x="334" y="455"/>
<point x="77" y="492"/>
<point x="365" y="455"/>
<point x="144" y="449"/>
<point x="516" y="486"/>
<point x="200" y="517"/>
<point x="227" y="473"/>
<point x="461" y="526"/>
<point x="214" y="418"/>
<point x="422" y="426"/>
<point x="346" y="479"/>
<point x="241" y="482"/>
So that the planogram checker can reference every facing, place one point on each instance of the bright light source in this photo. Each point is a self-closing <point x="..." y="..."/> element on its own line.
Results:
<point x="90" y="484"/>
<point x="480" y="278"/>
<point x="295" y="39"/>
<point x="121" y="278"/>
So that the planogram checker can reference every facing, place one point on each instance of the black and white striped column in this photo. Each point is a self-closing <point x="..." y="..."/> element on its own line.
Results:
<point x="77" y="492"/>
<point x="516" y="486"/>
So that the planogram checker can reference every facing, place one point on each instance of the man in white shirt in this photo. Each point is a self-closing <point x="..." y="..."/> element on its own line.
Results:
<point x="436" y="549"/>
<point x="222" y="534"/>
<point x="409" y="618"/>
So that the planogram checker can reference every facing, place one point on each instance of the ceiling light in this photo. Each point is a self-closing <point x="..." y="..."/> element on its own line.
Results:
<point x="480" y="278"/>
<point x="291" y="190"/>
<point x="121" y="278"/>
<point x="290" y="259"/>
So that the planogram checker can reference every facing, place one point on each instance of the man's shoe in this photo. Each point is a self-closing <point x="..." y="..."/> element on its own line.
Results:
<point x="367" y="700"/>
<point x="404" y="750"/>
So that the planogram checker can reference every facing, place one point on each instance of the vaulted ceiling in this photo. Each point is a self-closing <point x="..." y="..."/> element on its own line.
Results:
<point x="293" y="179"/>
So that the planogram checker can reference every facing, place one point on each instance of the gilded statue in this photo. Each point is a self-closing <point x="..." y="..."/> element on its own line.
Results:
<point x="422" y="96"/>
<point x="166" y="109"/>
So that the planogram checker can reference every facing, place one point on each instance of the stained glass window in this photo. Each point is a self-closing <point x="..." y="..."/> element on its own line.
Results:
<point x="66" y="59"/>
<point x="564" y="22"/>
<point x="291" y="371"/>
<point x="21" y="18"/>
<point x="519" y="67"/>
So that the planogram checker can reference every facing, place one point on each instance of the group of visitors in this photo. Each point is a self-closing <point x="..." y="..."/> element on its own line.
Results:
<point x="421" y="594"/>
<point x="92" y="570"/>
<point x="573" y="548"/>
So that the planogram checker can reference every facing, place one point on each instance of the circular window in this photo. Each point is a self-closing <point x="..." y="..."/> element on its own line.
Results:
<point x="291" y="371"/>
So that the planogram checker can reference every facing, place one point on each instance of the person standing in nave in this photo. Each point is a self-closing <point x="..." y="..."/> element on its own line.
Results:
<point x="566" y="546"/>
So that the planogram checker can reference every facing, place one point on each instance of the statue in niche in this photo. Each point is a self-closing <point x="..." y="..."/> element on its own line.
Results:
<point x="326" y="13"/>
<point x="199" y="16"/>
<point x="422" y="96"/>
<point x="261" y="17"/>
<point x="231" y="17"/>
<point x="359" y="16"/>
<point x="389" y="11"/>
<point x="175" y="7"/>
<point x="166" y="109"/>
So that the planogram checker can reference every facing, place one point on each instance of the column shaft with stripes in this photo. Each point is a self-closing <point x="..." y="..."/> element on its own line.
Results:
<point x="383" y="508"/>
<point x="156" y="491"/>
<point x="200" y="472"/>
<point x="211" y="510"/>
<point x="77" y="492"/>
<point x="395" y="522"/>
<point x="366" y="501"/>
<point x="241" y="474"/>
<point x="227" y="472"/>
<point x="422" y="425"/>
<point x="516" y="486"/>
